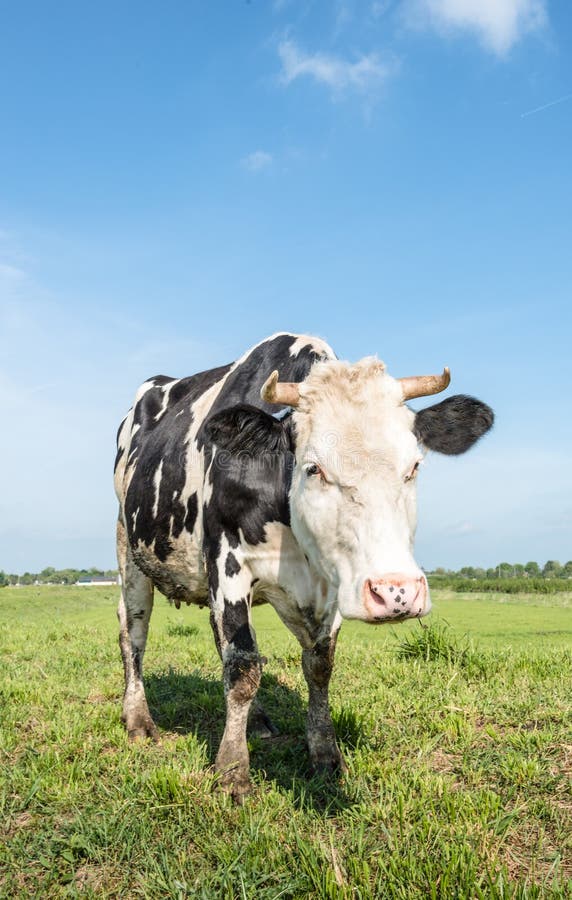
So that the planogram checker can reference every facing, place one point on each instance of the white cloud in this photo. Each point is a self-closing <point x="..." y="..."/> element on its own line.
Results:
<point x="459" y="529"/>
<point x="256" y="161"/>
<point x="499" y="24"/>
<point x="364" y="75"/>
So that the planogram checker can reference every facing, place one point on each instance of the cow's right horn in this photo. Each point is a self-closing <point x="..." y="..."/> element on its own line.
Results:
<point x="284" y="392"/>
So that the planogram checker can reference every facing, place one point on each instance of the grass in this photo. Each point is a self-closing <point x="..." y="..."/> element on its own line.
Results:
<point x="457" y="737"/>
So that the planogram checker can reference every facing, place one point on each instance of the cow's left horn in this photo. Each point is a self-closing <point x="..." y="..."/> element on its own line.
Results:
<point x="285" y="392"/>
<point x="424" y="385"/>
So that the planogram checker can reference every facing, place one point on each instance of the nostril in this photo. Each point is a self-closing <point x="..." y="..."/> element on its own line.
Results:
<point x="377" y="590"/>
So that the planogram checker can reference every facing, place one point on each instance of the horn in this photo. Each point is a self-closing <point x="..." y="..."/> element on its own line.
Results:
<point x="424" y="385"/>
<point x="285" y="392"/>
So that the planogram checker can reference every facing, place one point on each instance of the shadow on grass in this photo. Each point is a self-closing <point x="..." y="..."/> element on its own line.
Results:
<point x="190" y="703"/>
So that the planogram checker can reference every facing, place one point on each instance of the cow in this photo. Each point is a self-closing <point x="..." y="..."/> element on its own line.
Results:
<point x="286" y="477"/>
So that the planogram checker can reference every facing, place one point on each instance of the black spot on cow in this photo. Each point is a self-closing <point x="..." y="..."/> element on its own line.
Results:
<point x="454" y="425"/>
<point x="215" y="633"/>
<point x="235" y="626"/>
<point x="136" y="657"/>
<point x="232" y="565"/>
<point x="192" y="512"/>
<point x="119" y="454"/>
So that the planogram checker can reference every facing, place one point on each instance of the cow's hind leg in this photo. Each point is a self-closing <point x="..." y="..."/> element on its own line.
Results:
<point x="134" y="612"/>
<point x="260" y="725"/>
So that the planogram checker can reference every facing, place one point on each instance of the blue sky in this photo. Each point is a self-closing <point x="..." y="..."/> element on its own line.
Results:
<point x="178" y="180"/>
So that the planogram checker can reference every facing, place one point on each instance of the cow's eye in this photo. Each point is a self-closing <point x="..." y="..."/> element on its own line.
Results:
<point x="412" y="471"/>
<point x="312" y="469"/>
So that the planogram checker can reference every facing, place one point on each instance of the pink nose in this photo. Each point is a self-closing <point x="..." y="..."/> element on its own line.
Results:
<point x="396" y="595"/>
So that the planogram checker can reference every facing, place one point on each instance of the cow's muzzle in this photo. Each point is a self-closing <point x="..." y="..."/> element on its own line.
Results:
<point x="396" y="596"/>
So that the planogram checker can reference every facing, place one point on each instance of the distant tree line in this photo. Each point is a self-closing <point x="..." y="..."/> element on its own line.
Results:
<point x="502" y="572"/>
<point x="551" y="569"/>
<point x="506" y="578"/>
<point x="49" y="575"/>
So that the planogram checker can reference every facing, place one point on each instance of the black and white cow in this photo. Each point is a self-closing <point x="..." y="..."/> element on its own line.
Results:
<point x="287" y="477"/>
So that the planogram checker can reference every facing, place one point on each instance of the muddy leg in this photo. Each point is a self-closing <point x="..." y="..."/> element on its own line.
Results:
<point x="242" y="669"/>
<point x="134" y="612"/>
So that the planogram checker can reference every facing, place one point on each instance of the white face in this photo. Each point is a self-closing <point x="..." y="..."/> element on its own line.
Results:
<point x="353" y="496"/>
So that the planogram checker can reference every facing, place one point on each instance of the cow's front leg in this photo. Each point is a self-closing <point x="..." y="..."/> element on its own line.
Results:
<point x="317" y="664"/>
<point x="242" y="669"/>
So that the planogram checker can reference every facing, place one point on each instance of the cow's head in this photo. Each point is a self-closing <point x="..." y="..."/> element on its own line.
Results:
<point x="357" y="449"/>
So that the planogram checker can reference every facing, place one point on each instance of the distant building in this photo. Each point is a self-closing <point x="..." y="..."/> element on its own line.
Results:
<point x="97" y="581"/>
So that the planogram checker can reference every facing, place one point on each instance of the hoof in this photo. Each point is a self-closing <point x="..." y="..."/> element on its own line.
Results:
<point x="236" y="786"/>
<point x="140" y="728"/>
<point x="260" y="726"/>
<point x="233" y="778"/>
<point x="240" y="792"/>
<point x="143" y="734"/>
<point x="328" y="763"/>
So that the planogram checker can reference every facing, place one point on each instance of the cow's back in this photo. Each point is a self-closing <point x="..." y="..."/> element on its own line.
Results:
<point x="162" y="457"/>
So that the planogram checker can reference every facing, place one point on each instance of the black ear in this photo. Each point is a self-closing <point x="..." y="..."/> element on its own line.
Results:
<point x="454" y="425"/>
<point x="248" y="430"/>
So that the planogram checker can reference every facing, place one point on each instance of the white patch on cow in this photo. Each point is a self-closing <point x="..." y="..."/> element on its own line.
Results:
<point x="235" y="587"/>
<point x="157" y="487"/>
<point x="167" y="388"/>
<point x="123" y="442"/>
<point x="175" y="495"/>
<point x="208" y="485"/>
<point x="134" y="519"/>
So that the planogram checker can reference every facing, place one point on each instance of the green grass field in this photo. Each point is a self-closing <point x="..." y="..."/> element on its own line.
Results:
<point x="457" y="736"/>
